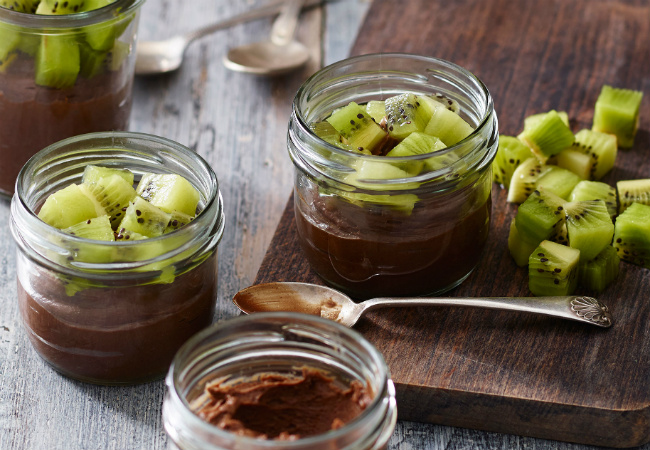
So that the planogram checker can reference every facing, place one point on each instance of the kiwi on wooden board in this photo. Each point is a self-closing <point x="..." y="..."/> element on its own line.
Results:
<point x="589" y="226"/>
<point x="617" y="112"/>
<point x="520" y="250"/>
<point x="552" y="269"/>
<point x="539" y="216"/>
<point x="576" y="161"/>
<point x="524" y="179"/>
<point x="602" y="149"/>
<point x="558" y="180"/>
<point x="632" y="235"/>
<point x="599" y="272"/>
<point x="632" y="191"/>
<point x="510" y="154"/>
<point x="548" y="137"/>
<point x="357" y="127"/>
<point x="594" y="190"/>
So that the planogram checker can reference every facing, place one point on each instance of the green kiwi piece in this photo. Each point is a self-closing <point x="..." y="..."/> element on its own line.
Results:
<point x="548" y="137"/>
<point x="101" y="37"/>
<point x="118" y="55"/>
<point x="617" y="112"/>
<point x="114" y="193"/>
<point x="67" y="207"/>
<point x="169" y="192"/>
<point x="589" y="226"/>
<point x="357" y="127"/>
<point x="448" y="126"/>
<point x="534" y="120"/>
<point x="632" y="235"/>
<point x="122" y="234"/>
<point x="416" y="143"/>
<point x="91" y="62"/>
<point x="178" y="220"/>
<point x="57" y="61"/>
<point x="9" y="43"/>
<point x="539" y="216"/>
<point x="558" y="180"/>
<point x="576" y="161"/>
<point x="451" y="104"/>
<point x="406" y="113"/>
<point x="594" y="190"/>
<point x="92" y="174"/>
<point x="524" y="179"/>
<point x="553" y="269"/>
<point x="328" y="133"/>
<point x="25" y="6"/>
<point x="520" y="250"/>
<point x="600" y="272"/>
<point x="376" y="109"/>
<point x="144" y="218"/>
<point x="511" y="153"/>
<point x="98" y="229"/>
<point x="632" y="191"/>
<point x="58" y="7"/>
<point x="601" y="147"/>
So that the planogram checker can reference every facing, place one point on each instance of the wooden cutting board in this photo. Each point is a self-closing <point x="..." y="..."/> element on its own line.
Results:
<point x="512" y="372"/>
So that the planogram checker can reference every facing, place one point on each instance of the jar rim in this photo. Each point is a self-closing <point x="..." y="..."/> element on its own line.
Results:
<point x="488" y="115"/>
<point x="288" y="317"/>
<point x="58" y="22"/>
<point x="213" y="204"/>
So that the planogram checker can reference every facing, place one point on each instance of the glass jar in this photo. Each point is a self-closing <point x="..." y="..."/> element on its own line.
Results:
<point x="247" y="347"/>
<point x="114" y="312"/>
<point x="62" y="76"/>
<point x="378" y="234"/>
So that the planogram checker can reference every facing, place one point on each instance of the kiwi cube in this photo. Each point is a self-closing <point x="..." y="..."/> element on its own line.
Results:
<point x="67" y="207"/>
<point x="602" y="149"/>
<point x="633" y="191"/>
<point x="598" y="273"/>
<point x="539" y="216"/>
<point x="113" y="192"/>
<point x="448" y="126"/>
<point x="548" y="137"/>
<point x="617" y="112"/>
<point x="169" y="192"/>
<point x="524" y="179"/>
<point x="510" y="154"/>
<point x="406" y="113"/>
<point x="328" y="133"/>
<point x="577" y="162"/>
<point x="520" y="250"/>
<point x="357" y="127"/>
<point x="558" y="180"/>
<point x="376" y="109"/>
<point x="552" y="269"/>
<point x="632" y="235"/>
<point x="93" y="173"/>
<point x="57" y="61"/>
<point x="144" y="218"/>
<point x="177" y="220"/>
<point x="594" y="190"/>
<point x="589" y="226"/>
<point x="416" y="143"/>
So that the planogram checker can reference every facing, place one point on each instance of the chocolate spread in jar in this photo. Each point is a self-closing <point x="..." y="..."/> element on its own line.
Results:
<point x="282" y="407"/>
<point x="116" y="334"/>
<point x="371" y="251"/>
<point x="34" y="117"/>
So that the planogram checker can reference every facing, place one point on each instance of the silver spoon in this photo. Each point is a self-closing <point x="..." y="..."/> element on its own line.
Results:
<point x="155" y="57"/>
<point x="280" y="55"/>
<point x="332" y="304"/>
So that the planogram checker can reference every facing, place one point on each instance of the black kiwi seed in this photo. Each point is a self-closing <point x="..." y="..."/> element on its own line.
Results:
<point x="88" y="222"/>
<point x="558" y="270"/>
<point x="540" y="270"/>
<point x="140" y="220"/>
<point x="360" y="148"/>
<point x="360" y="116"/>
<point x="138" y="212"/>
<point x="556" y="281"/>
<point x="352" y="122"/>
<point x="540" y="254"/>
<point x="543" y="259"/>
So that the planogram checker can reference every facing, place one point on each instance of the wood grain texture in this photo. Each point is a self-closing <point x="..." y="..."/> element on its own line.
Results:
<point x="510" y="372"/>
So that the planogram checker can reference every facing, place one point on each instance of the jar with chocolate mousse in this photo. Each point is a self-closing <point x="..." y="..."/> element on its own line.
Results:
<point x="393" y="221"/>
<point x="279" y="381"/>
<point x="115" y="311"/>
<point x="66" y="68"/>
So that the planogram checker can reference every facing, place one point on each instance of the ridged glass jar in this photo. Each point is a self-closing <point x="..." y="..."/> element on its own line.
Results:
<point x="382" y="236"/>
<point x="90" y="93"/>
<point x="277" y="343"/>
<point x="120" y="321"/>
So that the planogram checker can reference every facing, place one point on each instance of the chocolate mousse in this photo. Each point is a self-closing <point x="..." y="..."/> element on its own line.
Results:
<point x="115" y="334"/>
<point x="34" y="116"/>
<point x="282" y="407"/>
<point x="375" y="250"/>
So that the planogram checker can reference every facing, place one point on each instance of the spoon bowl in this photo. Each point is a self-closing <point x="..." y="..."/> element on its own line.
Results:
<point x="267" y="58"/>
<point x="334" y="305"/>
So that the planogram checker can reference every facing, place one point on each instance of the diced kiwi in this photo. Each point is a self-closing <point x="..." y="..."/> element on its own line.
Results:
<point x="169" y="192"/>
<point x="58" y="7"/>
<point x="177" y="220"/>
<point x="524" y="179"/>
<point x="632" y="191"/>
<point x="548" y="137"/>
<point x="533" y="120"/>
<point x="102" y="36"/>
<point x="57" y="61"/>
<point x="376" y="109"/>
<point x="576" y="161"/>
<point x="552" y="269"/>
<point x="539" y="216"/>
<point x="9" y="42"/>
<point x="67" y="207"/>
<point x="25" y="6"/>
<point x="511" y="153"/>
<point x="416" y="143"/>
<point x="632" y="235"/>
<point x="590" y="227"/>
<point x="617" y="112"/>
<point x="449" y="103"/>
<point x="114" y="193"/>
<point x="558" y="180"/>
<point x="144" y="218"/>
<point x="406" y="113"/>
<point x="448" y="126"/>
<point x="98" y="229"/>
<point x="357" y="127"/>
<point x="118" y="55"/>
<point x="519" y="248"/>
<point x="91" y="62"/>
<point x="602" y="149"/>
<point x="93" y="173"/>
<point x="99" y="209"/>
<point x="594" y="190"/>
<point x="328" y="133"/>
<point x="600" y="272"/>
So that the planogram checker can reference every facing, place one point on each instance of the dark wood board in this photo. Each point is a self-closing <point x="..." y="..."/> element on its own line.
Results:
<point x="512" y="372"/>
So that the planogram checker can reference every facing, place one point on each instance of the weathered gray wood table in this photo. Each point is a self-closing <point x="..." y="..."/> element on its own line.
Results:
<point x="238" y="123"/>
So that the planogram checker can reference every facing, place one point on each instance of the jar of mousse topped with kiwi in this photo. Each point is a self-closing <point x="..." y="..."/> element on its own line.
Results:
<point x="66" y="68"/>
<point x="393" y="173"/>
<point x="117" y="238"/>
